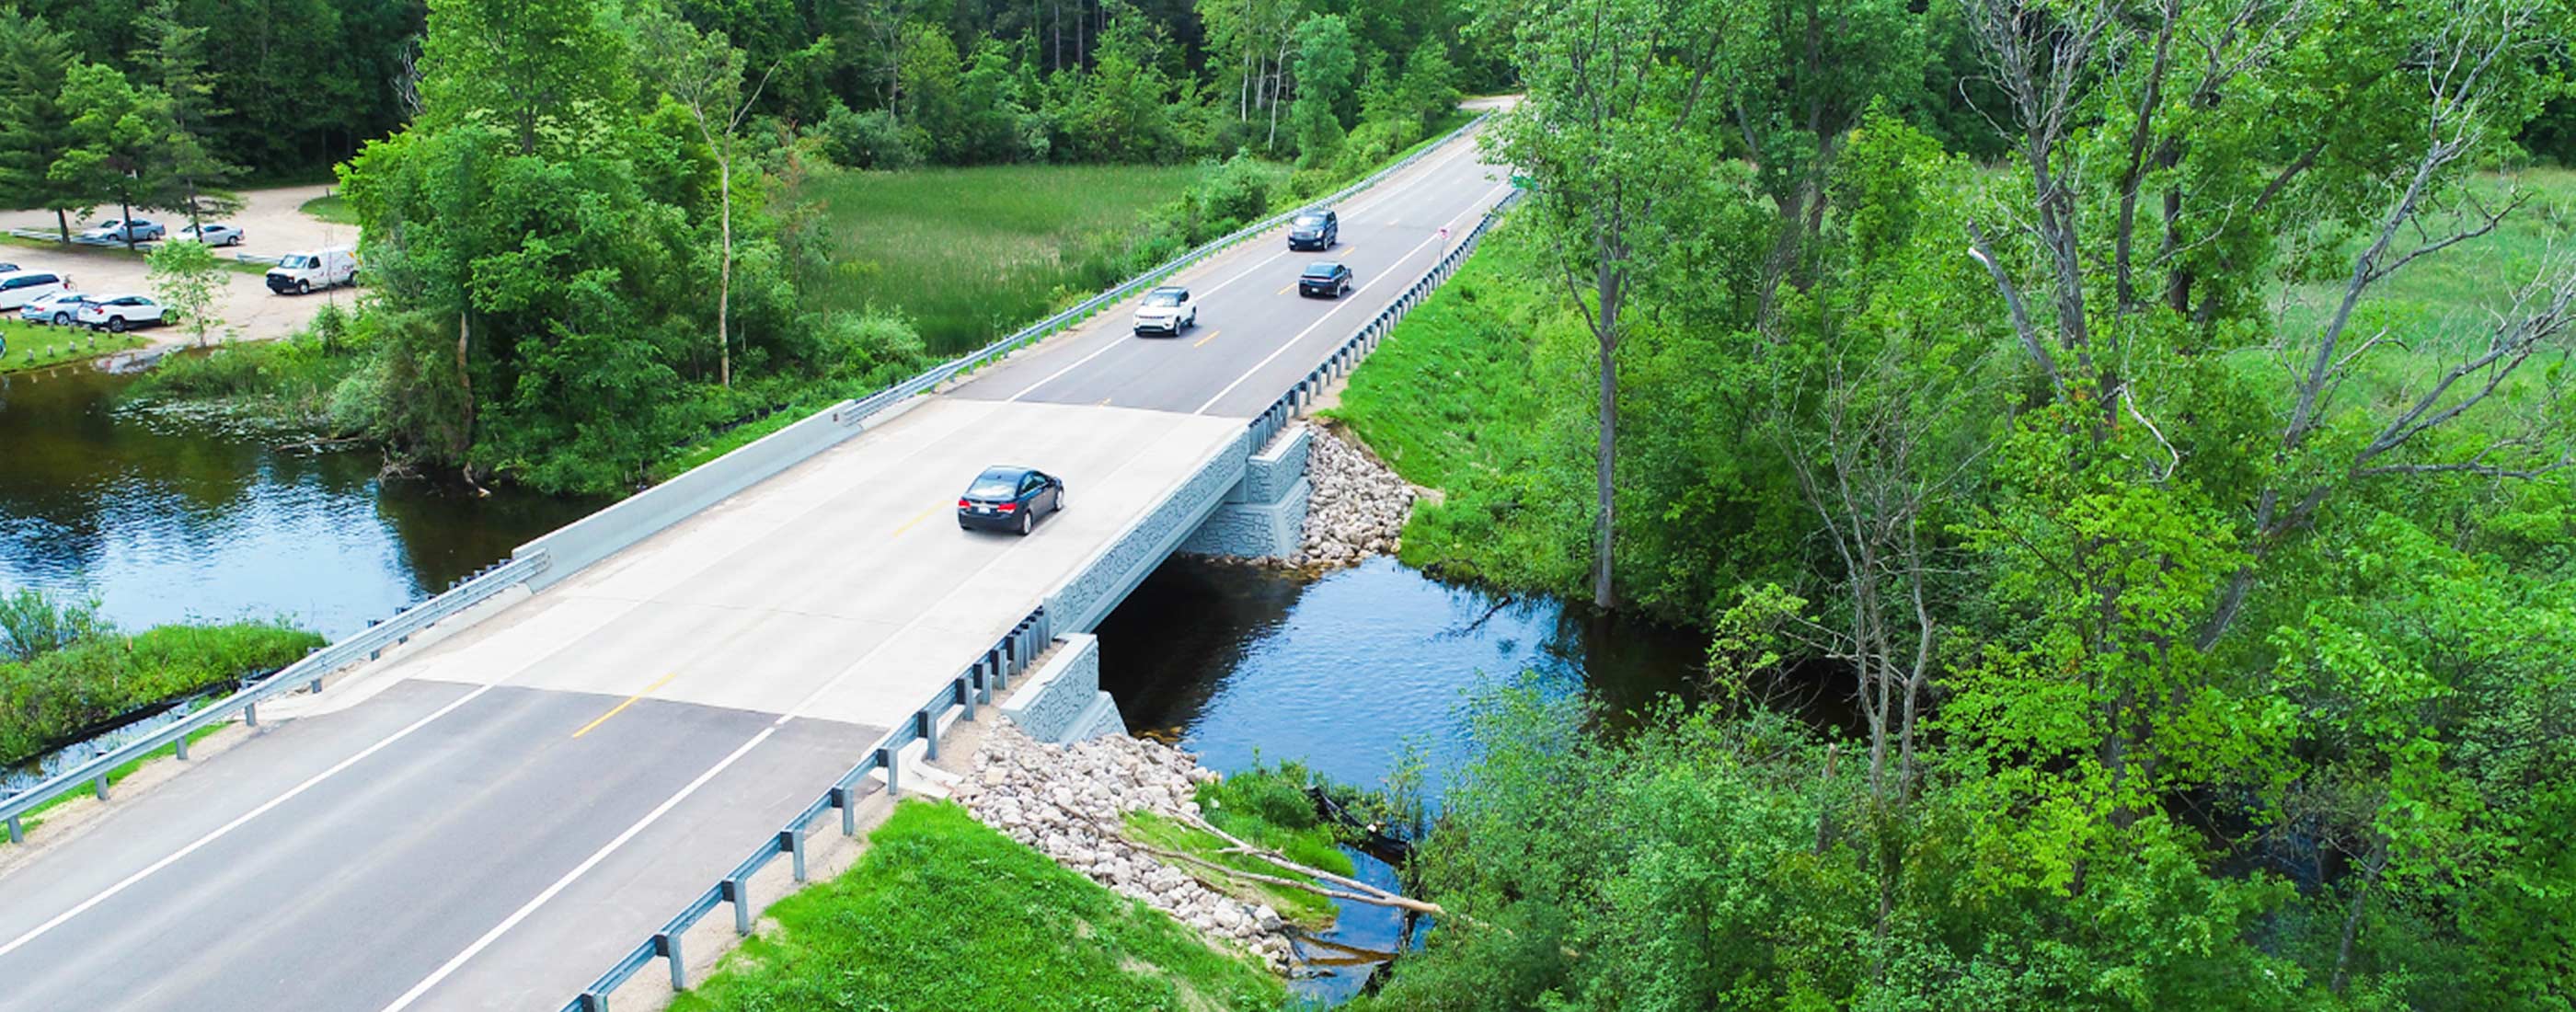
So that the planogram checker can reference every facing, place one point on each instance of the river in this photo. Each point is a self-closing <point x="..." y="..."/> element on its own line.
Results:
<point x="166" y="522"/>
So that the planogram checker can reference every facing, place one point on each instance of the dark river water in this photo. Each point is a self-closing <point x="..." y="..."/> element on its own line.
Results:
<point x="165" y="522"/>
<point x="1342" y="672"/>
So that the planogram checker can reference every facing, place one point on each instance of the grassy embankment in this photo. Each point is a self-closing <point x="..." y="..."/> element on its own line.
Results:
<point x="1266" y="808"/>
<point x="33" y="347"/>
<point x="331" y="208"/>
<point x="60" y="692"/>
<point x="1470" y="395"/>
<point x="1485" y="391"/>
<point x="282" y="386"/>
<point x="943" y="913"/>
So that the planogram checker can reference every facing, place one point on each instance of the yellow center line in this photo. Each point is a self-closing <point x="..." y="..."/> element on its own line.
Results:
<point x="1284" y="291"/>
<point x="630" y="701"/>
<point x="1104" y="402"/>
<point x="1211" y="335"/>
<point x="907" y="525"/>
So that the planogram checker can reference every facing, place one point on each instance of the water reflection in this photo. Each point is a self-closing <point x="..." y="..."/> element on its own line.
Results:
<point x="1341" y="671"/>
<point x="166" y="521"/>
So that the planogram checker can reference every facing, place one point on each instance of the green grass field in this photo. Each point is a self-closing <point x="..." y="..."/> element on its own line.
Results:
<point x="28" y="346"/>
<point x="2448" y="297"/>
<point x="942" y="913"/>
<point x="971" y="254"/>
<point x="330" y="208"/>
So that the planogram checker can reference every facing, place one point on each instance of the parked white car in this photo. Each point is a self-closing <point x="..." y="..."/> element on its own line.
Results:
<point x="119" y="313"/>
<point x="323" y="268"/>
<point x="212" y="234"/>
<point x="59" y="309"/>
<point x="119" y="230"/>
<point x="17" y="288"/>
<point x="1167" y="309"/>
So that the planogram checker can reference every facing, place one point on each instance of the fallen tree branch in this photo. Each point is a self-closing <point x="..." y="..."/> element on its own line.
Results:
<point x="1398" y="902"/>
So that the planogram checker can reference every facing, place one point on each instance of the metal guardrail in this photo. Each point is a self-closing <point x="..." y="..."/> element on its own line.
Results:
<point x="1349" y="353"/>
<point x="972" y="689"/>
<point x="51" y="236"/>
<point x="365" y="645"/>
<point x="852" y="412"/>
<point x="975" y="685"/>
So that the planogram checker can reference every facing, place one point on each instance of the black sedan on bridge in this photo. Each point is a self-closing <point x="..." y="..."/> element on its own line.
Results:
<point x="1009" y="498"/>
<point x="1325" y="278"/>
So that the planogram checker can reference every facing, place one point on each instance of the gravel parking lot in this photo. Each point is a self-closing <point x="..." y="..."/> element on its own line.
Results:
<point x="271" y="224"/>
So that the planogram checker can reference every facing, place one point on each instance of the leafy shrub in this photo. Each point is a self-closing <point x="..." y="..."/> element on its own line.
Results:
<point x="33" y="622"/>
<point x="867" y="140"/>
<point x="59" y="693"/>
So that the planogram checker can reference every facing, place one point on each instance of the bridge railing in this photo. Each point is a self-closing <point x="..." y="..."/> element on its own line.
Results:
<point x="972" y="689"/>
<point x="1348" y="354"/>
<point x="944" y="371"/>
<point x="646" y="513"/>
<point x="365" y="645"/>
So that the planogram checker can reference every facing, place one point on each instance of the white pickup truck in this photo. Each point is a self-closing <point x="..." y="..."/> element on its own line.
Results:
<point x="299" y="273"/>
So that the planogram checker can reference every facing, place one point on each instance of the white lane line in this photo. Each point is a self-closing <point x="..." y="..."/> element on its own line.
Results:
<point x="530" y="907"/>
<point x="1336" y="310"/>
<point x="200" y="843"/>
<point x="1378" y="196"/>
<point x="603" y="853"/>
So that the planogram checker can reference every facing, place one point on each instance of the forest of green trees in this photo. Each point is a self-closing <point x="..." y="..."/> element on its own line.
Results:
<point x="2151" y="416"/>
<point x="582" y="228"/>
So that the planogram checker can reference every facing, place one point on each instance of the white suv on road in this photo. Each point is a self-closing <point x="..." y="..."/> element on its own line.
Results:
<point x="1167" y="309"/>
<point x="119" y="313"/>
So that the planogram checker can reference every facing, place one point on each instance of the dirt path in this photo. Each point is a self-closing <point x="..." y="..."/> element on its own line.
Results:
<point x="271" y="222"/>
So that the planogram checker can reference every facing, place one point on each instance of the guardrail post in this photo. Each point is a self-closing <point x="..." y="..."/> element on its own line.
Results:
<point x="843" y="798"/>
<point x="667" y="945"/>
<point x="16" y="835"/>
<point x="182" y="746"/>
<point x="250" y="715"/>
<point x="793" y="839"/>
<point x="100" y="785"/>
<point x="927" y="726"/>
<point x="737" y="891"/>
<point x="894" y="786"/>
<point x="1001" y="673"/>
<point x="966" y="696"/>
<point x="593" y="1001"/>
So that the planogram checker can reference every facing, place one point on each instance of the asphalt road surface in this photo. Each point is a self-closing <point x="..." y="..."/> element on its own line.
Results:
<point x="1256" y="336"/>
<point x="487" y="821"/>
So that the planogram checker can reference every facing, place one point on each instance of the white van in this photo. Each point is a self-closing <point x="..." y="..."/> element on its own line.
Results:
<point x="322" y="268"/>
<point x="18" y="288"/>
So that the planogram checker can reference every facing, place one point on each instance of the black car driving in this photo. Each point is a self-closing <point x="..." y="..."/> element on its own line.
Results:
<point x="1009" y="498"/>
<point x="1317" y="229"/>
<point x="1327" y="278"/>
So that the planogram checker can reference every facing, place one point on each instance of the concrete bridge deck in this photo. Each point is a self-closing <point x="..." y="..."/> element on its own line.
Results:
<point x="486" y="821"/>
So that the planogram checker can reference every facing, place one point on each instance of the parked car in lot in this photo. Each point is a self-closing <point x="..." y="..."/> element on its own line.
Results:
<point x="117" y="314"/>
<point x="1317" y="229"/>
<point x="212" y="234"/>
<point x="1006" y="497"/>
<point x="17" y="288"/>
<point x="59" y="308"/>
<point x="323" y="268"/>
<point x="124" y="230"/>
<point x="8" y="268"/>
<point x="1168" y="310"/>
<point x="1327" y="278"/>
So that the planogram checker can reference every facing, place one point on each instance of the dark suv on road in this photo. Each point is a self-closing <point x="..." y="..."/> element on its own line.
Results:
<point x="1325" y="278"/>
<point x="1317" y="229"/>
